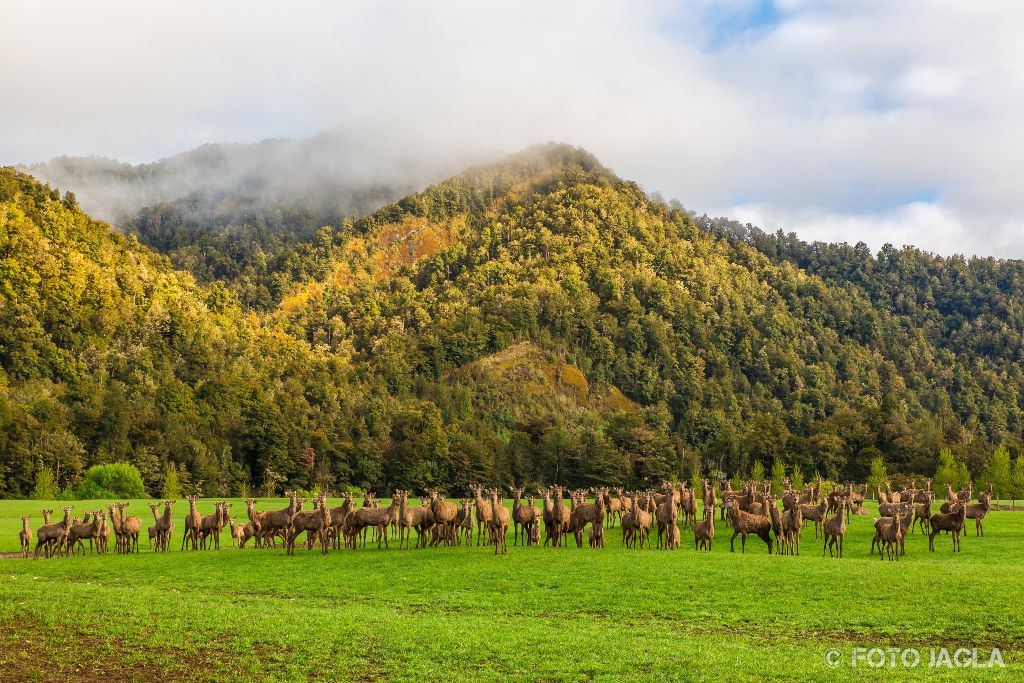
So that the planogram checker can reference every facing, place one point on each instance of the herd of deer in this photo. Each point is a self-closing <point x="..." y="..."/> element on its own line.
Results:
<point x="752" y="510"/>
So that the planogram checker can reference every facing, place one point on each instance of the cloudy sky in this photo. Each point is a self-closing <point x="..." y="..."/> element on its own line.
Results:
<point x="883" y="121"/>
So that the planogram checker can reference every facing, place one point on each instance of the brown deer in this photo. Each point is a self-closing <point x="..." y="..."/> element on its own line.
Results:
<point x="835" y="530"/>
<point x="923" y="513"/>
<point x="533" y="521"/>
<point x="464" y="521"/>
<point x="238" y="532"/>
<point x="211" y="526"/>
<point x="560" y="515"/>
<point x="977" y="512"/>
<point x="256" y="519"/>
<point x="131" y="526"/>
<point x="771" y="511"/>
<point x="483" y="514"/>
<point x="25" y="537"/>
<point x="365" y="517"/>
<point x="744" y="523"/>
<point x="814" y="513"/>
<point x="892" y="535"/>
<point x="499" y="523"/>
<point x="50" y="536"/>
<point x="704" y="532"/>
<point x="613" y="506"/>
<point x="444" y="516"/>
<point x="276" y="522"/>
<point x="792" y="520"/>
<point x="86" y="530"/>
<point x="165" y="527"/>
<point x="193" y="520"/>
<point x="668" y="513"/>
<point x="520" y="515"/>
<point x="953" y="522"/>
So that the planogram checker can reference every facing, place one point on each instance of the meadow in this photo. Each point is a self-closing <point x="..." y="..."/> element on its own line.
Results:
<point x="537" y="613"/>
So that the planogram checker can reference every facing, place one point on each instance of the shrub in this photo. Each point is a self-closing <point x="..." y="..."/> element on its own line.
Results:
<point x="115" y="480"/>
<point x="45" y="487"/>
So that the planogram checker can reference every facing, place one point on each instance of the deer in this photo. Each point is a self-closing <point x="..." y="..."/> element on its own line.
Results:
<point x="668" y="512"/>
<point x="239" y="533"/>
<point x="559" y="517"/>
<point x="339" y="516"/>
<point x="977" y="512"/>
<point x="444" y="515"/>
<point x="499" y="523"/>
<point x="210" y="525"/>
<point x="519" y="515"/>
<point x="613" y="506"/>
<point x="901" y="514"/>
<point x="704" y="532"/>
<point x="130" y="528"/>
<point x="923" y="513"/>
<point x="744" y="523"/>
<point x="925" y="494"/>
<point x="256" y="519"/>
<point x="103" y="535"/>
<point x="892" y="535"/>
<point x="483" y="514"/>
<point x="50" y="536"/>
<point x="792" y="520"/>
<point x="85" y="530"/>
<point x="464" y="521"/>
<point x="165" y="527"/>
<point x="310" y="522"/>
<point x="25" y="537"/>
<point x="533" y="521"/>
<point x="276" y="522"/>
<point x="952" y="522"/>
<point x="377" y="517"/>
<point x="193" y="520"/>
<point x="814" y="513"/>
<point x="316" y="525"/>
<point x="115" y="521"/>
<point x="835" y="530"/>
<point x="771" y="511"/>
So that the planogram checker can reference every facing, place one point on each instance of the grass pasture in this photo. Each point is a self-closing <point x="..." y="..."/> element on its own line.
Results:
<point x="535" y="614"/>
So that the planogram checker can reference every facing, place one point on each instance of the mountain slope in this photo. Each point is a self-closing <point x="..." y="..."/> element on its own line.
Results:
<point x="529" y="320"/>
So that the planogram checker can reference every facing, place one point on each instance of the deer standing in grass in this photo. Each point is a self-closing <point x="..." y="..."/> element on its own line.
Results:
<point x="25" y="537"/>
<point x="835" y="530"/>
<point x="165" y="527"/>
<point x="977" y="512"/>
<point x="193" y="521"/>
<point x="704" y="531"/>
<point x="744" y="523"/>
<point x="444" y="516"/>
<point x="131" y="526"/>
<point x="520" y="515"/>
<point x="499" y="523"/>
<point x="483" y="514"/>
<point x="50" y="536"/>
<point x="953" y="522"/>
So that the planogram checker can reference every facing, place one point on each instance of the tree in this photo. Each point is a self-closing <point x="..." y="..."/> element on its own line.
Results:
<point x="778" y="476"/>
<point x="113" y="480"/>
<point x="1018" y="478"/>
<point x="45" y="487"/>
<point x="172" y="486"/>
<point x="757" y="473"/>
<point x="878" y="474"/>
<point x="998" y="472"/>
<point x="797" y="477"/>
<point x="950" y="471"/>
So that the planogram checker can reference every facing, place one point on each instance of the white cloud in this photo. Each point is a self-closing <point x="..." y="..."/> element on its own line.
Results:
<point x="857" y="108"/>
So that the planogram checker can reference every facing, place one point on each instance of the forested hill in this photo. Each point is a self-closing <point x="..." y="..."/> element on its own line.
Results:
<point x="537" y="319"/>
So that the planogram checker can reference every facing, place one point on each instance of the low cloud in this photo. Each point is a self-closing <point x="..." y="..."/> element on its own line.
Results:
<point x="831" y="118"/>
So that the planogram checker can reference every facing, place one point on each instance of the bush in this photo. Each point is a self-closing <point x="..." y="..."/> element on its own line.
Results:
<point x="116" y="480"/>
<point x="45" y="487"/>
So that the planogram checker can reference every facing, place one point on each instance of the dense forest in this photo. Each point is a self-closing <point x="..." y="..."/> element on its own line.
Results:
<point x="534" y="319"/>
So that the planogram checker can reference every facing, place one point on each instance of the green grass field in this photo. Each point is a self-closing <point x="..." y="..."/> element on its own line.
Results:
<point x="535" y="614"/>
